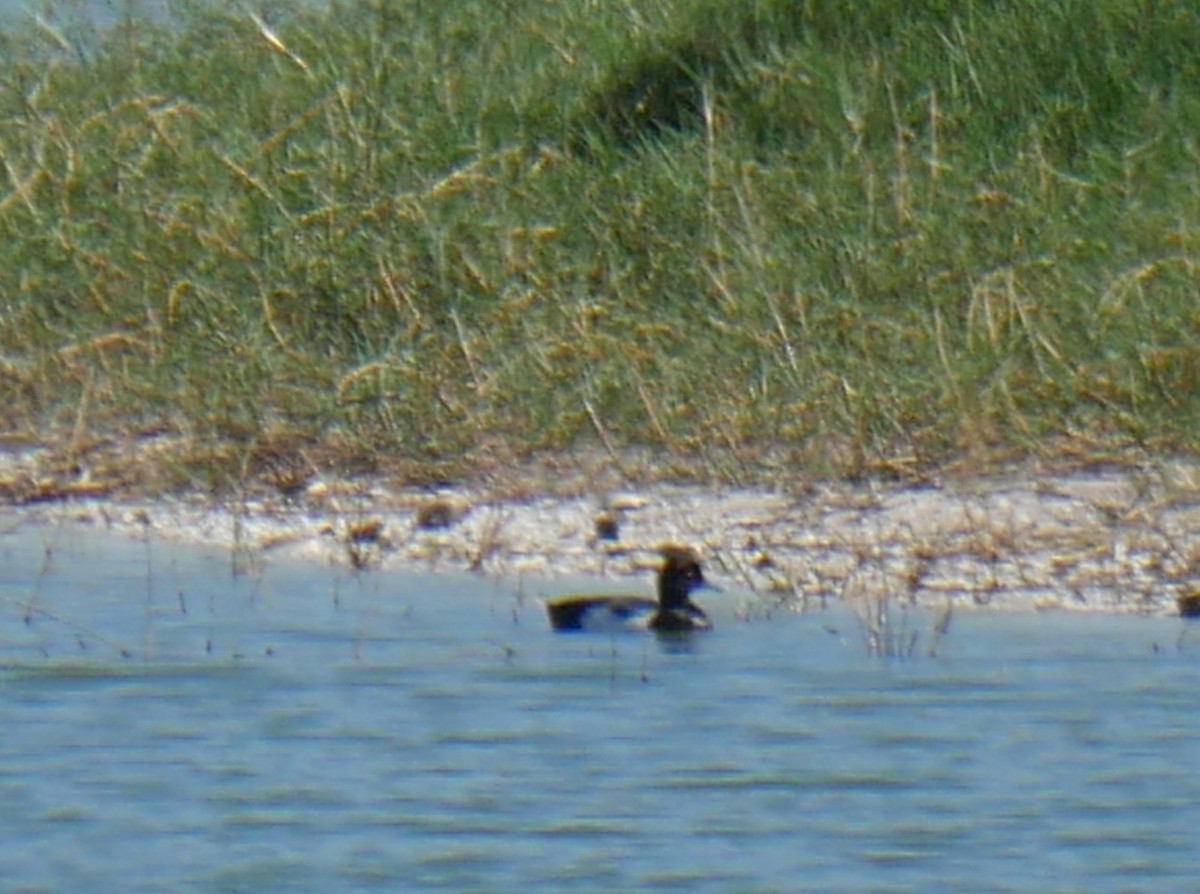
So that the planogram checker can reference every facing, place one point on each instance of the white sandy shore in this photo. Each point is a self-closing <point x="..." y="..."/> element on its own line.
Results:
<point x="1115" y="540"/>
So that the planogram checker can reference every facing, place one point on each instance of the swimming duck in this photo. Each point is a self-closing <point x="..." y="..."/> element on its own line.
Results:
<point x="672" y="612"/>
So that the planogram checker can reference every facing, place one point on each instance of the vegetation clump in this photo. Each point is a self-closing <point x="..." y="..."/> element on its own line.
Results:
<point x="851" y="237"/>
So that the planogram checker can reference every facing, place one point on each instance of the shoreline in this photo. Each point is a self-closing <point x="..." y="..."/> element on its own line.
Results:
<point x="1117" y="539"/>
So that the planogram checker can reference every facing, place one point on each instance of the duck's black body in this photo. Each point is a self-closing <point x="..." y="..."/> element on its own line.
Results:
<point x="672" y="612"/>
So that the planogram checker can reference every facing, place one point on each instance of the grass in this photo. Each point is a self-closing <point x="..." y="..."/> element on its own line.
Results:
<point x="750" y="237"/>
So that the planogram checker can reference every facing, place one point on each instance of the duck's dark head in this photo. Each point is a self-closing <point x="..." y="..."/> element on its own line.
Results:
<point x="680" y="576"/>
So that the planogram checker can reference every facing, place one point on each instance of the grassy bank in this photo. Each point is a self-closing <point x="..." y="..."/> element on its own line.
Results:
<point x="851" y="237"/>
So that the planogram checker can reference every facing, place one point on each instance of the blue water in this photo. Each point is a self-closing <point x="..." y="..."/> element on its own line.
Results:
<point x="167" y="725"/>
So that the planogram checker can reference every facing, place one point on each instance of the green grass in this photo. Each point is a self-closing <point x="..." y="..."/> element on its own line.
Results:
<point x="848" y="238"/>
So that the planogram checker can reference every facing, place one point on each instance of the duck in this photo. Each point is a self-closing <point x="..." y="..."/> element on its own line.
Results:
<point x="672" y="612"/>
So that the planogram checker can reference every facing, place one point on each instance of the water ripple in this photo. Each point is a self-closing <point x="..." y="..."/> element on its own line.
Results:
<point x="428" y="743"/>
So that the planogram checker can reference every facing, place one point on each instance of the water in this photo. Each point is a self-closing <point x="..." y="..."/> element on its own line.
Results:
<point x="299" y="729"/>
